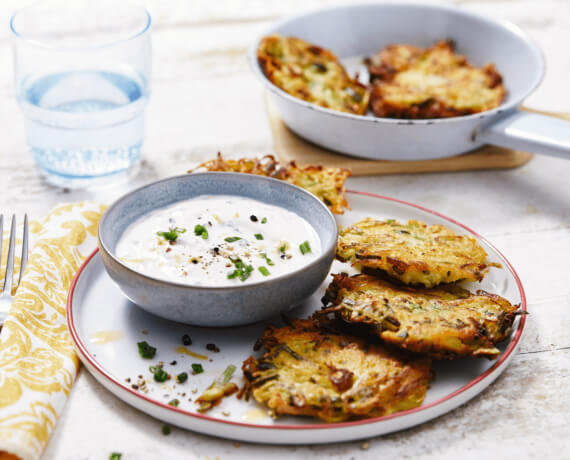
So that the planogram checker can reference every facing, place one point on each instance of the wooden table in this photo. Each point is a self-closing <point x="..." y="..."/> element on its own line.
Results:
<point x="205" y="99"/>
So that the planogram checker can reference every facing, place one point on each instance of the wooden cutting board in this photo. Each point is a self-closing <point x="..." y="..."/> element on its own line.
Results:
<point x="289" y="146"/>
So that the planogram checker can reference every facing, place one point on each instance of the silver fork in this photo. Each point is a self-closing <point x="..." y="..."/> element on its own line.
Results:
<point x="6" y="296"/>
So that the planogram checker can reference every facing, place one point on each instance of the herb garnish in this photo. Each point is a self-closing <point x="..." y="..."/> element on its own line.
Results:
<point x="228" y="372"/>
<point x="283" y="247"/>
<point x="217" y="390"/>
<point x="242" y="270"/>
<point x="264" y="220"/>
<point x="115" y="456"/>
<point x="197" y="368"/>
<point x="181" y="378"/>
<point x="145" y="350"/>
<point x="267" y="259"/>
<point x="165" y="430"/>
<point x="304" y="247"/>
<point x="390" y="221"/>
<point x="258" y="236"/>
<point x="159" y="374"/>
<point x="200" y="230"/>
<point x="264" y="271"/>
<point x="172" y="234"/>
<point x="174" y="402"/>
<point x="231" y="239"/>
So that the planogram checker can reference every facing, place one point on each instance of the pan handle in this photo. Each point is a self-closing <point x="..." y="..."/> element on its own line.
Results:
<point x="529" y="132"/>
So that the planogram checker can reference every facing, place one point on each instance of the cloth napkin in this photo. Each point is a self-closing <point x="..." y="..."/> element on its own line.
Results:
<point x="38" y="364"/>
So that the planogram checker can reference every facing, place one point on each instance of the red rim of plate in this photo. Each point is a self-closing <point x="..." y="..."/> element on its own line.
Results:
<point x="511" y="347"/>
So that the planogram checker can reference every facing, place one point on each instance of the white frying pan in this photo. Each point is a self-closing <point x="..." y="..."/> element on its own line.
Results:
<point x="362" y="30"/>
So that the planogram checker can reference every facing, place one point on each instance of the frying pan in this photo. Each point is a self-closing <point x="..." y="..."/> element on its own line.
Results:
<point x="357" y="31"/>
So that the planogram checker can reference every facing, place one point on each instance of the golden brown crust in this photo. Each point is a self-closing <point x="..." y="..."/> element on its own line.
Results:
<point x="445" y="322"/>
<point x="312" y="369"/>
<point x="413" y="253"/>
<point x="411" y="82"/>
<point x="311" y="73"/>
<point x="326" y="183"/>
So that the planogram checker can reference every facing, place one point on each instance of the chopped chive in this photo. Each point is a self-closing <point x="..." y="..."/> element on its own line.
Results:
<point x="246" y="272"/>
<point x="146" y="351"/>
<point x="283" y="248"/>
<point x="115" y="456"/>
<point x="181" y="378"/>
<point x="197" y="368"/>
<point x="267" y="259"/>
<point x="231" y="239"/>
<point x="264" y="271"/>
<point x="200" y="230"/>
<point x="173" y="402"/>
<point x="242" y="271"/>
<point x="258" y="236"/>
<point x="172" y="234"/>
<point x="227" y="375"/>
<point x="159" y="374"/>
<point x="304" y="247"/>
<point x="165" y="430"/>
<point x="264" y="220"/>
<point x="390" y="221"/>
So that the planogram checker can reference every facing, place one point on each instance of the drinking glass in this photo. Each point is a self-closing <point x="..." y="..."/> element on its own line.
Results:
<point x="82" y="77"/>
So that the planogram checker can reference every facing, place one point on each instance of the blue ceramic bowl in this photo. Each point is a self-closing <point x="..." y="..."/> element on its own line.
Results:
<point x="217" y="306"/>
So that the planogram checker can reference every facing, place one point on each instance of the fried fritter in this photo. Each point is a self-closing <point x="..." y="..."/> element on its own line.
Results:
<point x="411" y="82"/>
<point x="413" y="253"/>
<point x="446" y="322"/>
<point x="310" y="369"/>
<point x="311" y="73"/>
<point x="326" y="183"/>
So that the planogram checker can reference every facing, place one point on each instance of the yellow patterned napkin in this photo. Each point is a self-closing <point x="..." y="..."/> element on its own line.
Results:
<point x="37" y="361"/>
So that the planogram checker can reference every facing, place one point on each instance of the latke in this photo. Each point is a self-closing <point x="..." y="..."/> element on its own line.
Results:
<point x="413" y="253"/>
<point x="446" y="322"/>
<point x="325" y="183"/>
<point x="436" y="82"/>
<point x="310" y="369"/>
<point x="311" y="73"/>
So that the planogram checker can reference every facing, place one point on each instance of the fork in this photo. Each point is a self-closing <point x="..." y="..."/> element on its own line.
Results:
<point x="6" y="296"/>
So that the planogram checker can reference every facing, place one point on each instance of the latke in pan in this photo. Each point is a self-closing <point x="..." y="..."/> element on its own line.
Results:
<point x="436" y="82"/>
<point x="311" y="73"/>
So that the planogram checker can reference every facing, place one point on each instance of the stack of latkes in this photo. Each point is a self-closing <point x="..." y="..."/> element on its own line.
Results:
<point x="368" y="352"/>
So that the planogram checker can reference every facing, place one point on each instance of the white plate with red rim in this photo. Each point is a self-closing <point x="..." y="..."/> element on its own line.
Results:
<point x="105" y="328"/>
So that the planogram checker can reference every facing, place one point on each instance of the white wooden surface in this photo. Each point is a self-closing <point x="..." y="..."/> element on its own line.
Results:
<point x="205" y="99"/>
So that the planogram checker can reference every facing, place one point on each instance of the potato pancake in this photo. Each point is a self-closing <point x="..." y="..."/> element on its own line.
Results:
<point x="311" y="73"/>
<point x="413" y="253"/>
<point x="446" y="322"/>
<point x="411" y="82"/>
<point x="326" y="183"/>
<point x="311" y="369"/>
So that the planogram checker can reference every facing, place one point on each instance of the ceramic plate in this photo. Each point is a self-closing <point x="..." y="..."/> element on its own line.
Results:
<point x="106" y="327"/>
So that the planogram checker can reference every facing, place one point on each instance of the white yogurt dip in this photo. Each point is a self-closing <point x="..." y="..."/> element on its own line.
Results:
<point x="218" y="240"/>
